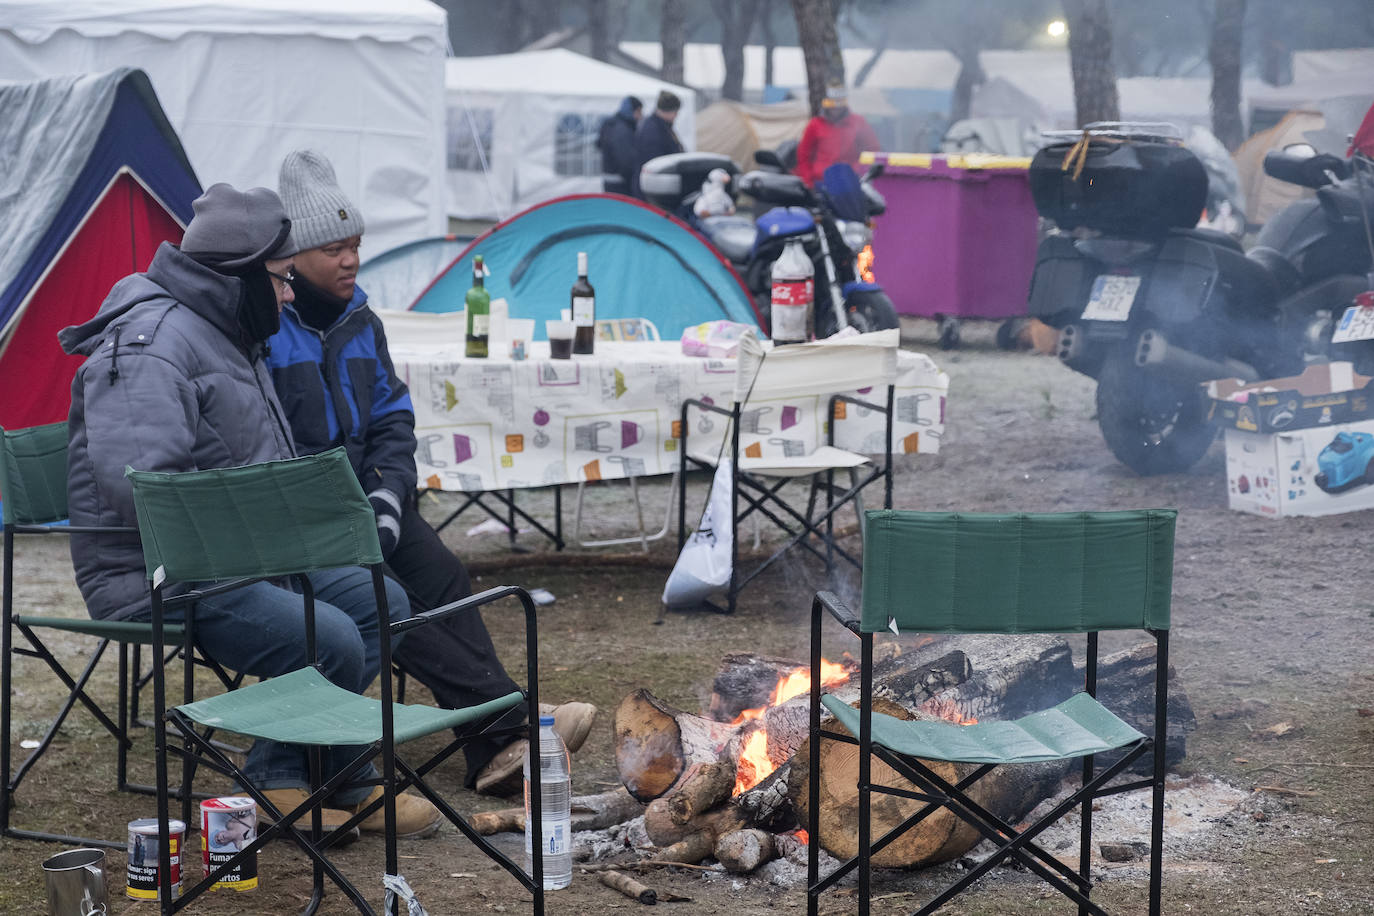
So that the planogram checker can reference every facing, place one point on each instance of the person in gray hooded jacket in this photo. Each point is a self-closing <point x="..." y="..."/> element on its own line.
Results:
<point x="174" y="380"/>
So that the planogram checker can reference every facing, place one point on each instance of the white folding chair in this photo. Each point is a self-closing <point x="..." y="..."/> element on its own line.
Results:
<point x="626" y="329"/>
<point x="765" y="379"/>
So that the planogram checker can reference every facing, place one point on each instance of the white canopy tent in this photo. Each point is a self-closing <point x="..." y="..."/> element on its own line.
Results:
<point x="245" y="82"/>
<point x="522" y="127"/>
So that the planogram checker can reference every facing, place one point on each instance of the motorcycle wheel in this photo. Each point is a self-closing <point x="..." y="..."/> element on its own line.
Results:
<point x="1151" y="423"/>
<point x="866" y="310"/>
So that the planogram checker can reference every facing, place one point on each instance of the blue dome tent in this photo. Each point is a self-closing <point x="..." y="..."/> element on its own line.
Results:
<point x="644" y="263"/>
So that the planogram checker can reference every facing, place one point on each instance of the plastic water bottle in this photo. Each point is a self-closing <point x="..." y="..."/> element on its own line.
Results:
<point x="555" y="777"/>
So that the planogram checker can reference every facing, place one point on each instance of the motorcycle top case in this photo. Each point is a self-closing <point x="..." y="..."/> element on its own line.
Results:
<point x="666" y="180"/>
<point x="1128" y="188"/>
<point x="775" y="188"/>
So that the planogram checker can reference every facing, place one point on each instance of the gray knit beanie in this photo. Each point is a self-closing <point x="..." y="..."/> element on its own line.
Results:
<point x="232" y="229"/>
<point x="320" y="212"/>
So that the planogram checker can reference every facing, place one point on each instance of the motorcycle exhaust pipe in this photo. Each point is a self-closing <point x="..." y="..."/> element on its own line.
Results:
<point x="1071" y="344"/>
<point x="1154" y="349"/>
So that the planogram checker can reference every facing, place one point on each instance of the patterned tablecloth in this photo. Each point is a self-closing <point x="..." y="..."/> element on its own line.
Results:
<point x="490" y="424"/>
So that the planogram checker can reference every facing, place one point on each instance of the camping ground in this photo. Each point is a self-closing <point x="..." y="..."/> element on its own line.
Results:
<point x="1271" y="644"/>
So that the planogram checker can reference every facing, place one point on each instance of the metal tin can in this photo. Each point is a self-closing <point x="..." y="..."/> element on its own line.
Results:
<point x="141" y="878"/>
<point x="227" y="825"/>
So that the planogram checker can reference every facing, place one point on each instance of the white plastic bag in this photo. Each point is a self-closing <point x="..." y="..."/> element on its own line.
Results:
<point x="703" y="566"/>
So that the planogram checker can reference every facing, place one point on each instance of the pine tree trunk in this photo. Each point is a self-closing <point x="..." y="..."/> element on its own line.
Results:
<point x="1090" y="55"/>
<point x="1224" y="53"/>
<point x="672" y="37"/>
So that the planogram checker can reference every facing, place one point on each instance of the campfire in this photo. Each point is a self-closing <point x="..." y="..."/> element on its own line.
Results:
<point x="730" y="783"/>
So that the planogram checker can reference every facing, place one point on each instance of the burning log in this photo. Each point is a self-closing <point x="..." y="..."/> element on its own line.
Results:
<point x="745" y="850"/>
<point x="702" y="789"/>
<point x="664" y="831"/>
<point x="655" y="743"/>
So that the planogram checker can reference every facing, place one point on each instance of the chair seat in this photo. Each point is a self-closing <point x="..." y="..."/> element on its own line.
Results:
<point x="1075" y="728"/>
<point x="119" y="630"/>
<point x="825" y="458"/>
<point x="304" y="708"/>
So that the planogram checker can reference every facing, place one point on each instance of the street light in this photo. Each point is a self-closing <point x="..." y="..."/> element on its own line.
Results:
<point x="1057" y="29"/>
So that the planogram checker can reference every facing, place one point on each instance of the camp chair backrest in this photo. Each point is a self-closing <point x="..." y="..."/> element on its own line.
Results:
<point x="269" y="519"/>
<point x="822" y="367"/>
<point x="33" y="474"/>
<point x="1060" y="572"/>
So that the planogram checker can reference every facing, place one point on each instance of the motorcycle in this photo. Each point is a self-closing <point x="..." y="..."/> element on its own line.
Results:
<point x="1150" y="306"/>
<point x="834" y="223"/>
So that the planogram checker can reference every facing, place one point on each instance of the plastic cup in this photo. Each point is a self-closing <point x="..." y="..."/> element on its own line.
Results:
<point x="560" y="331"/>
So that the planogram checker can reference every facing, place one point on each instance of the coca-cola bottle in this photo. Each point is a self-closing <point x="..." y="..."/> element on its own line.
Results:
<point x="791" y="317"/>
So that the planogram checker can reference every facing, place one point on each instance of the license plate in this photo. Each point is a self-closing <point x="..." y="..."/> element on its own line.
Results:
<point x="1356" y="324"/>
<point x="1111" y="298"/>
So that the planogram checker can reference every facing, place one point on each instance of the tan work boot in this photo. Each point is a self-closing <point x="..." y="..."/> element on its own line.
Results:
<point x="504" y="774"/>
<point x="415" y="816"/>
<point x="288" y="800"/>
<point x="572" y="722"/>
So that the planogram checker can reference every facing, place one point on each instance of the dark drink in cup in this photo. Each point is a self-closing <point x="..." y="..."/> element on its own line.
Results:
<point x="560" y="347"/>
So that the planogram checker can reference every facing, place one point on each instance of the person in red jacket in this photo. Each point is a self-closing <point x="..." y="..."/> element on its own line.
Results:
<point x="835" y="135"/>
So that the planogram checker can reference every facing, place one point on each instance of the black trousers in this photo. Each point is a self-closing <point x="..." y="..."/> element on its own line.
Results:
<point x="454" y="657"/>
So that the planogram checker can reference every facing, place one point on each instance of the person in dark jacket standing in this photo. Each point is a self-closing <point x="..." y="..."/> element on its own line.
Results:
<point x="174" y="380"/>
<point x="332" y="370"/>
<point x="655" y="137"/>
<point x="616" y="141"/>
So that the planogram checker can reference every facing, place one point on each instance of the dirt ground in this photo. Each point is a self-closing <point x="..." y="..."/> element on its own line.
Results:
<point x="1272" y="618"/>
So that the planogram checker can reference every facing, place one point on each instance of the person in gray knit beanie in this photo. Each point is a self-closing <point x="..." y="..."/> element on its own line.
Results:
<point x="331" y="368"/>
<point x="319" y="210"/>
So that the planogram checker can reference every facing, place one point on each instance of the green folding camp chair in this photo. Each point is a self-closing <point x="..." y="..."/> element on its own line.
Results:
<point x="33" y="487"/>
<point x="234" y="526"/>
<point x="937" y="572"/>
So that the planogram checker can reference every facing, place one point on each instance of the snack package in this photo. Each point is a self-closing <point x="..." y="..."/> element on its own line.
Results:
<point x="713" y="339"/>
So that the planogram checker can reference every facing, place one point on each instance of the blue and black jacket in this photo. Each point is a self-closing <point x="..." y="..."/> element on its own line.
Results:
<point x="340" y="388"/>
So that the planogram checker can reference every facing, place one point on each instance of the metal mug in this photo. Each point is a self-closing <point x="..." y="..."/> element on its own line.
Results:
<point x="76" y="883"/>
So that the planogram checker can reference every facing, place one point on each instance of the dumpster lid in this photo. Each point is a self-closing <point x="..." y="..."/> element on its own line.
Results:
<point x="971" y="161"/>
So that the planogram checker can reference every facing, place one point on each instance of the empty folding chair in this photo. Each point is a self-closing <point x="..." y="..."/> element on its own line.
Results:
<point x="949" y="572"/>
<point x="625" y="329"/>
<point x="33" y="487"/>
<point x="766" y="378"/>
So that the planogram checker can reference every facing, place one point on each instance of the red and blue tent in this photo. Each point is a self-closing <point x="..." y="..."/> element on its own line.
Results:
<point x="92" y="180"/>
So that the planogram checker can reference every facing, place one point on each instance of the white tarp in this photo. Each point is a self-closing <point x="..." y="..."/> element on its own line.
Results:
<point x="245" y="82"/>
<point x="522" y="127"/>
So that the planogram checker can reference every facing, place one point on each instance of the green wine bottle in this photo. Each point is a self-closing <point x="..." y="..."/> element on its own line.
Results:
<point x="478" y="305"/>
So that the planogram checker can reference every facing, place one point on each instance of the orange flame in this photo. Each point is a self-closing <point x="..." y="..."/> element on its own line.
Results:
<point x="754" y="763"/>
<point x="949" y="711"/>
<point x="802" y="835"/>
<point x="864" y="264"/>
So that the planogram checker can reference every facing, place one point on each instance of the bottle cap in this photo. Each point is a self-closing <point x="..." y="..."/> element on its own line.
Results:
<point x="545" y="720"/>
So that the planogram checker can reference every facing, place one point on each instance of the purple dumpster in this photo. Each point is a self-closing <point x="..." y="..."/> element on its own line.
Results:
<point x="958" y="239"/>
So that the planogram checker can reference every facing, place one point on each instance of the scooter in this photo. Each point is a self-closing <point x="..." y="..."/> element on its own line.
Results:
<point x="834" y="223"/>
<point x="1149" y="305"/>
